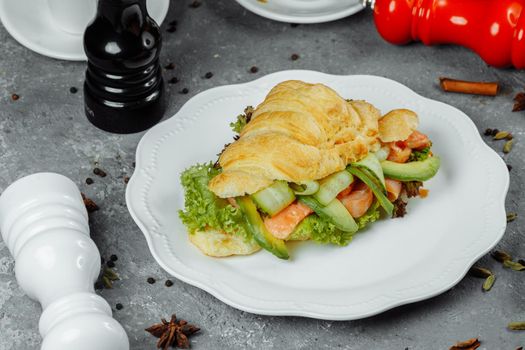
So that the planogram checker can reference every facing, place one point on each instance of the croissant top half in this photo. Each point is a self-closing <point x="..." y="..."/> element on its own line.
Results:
<point x="299" y="132"/>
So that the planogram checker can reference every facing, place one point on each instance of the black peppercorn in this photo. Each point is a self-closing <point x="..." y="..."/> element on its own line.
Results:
<point x="173" y="80"/>
<point x="151" y="280"/>
<point x="99" y="172"/>
<point x="119" y="306"/>
<point x="195" y="4"/>
<point x="208" y="75"/>
<point x="254" y="69"/>
<point x="110" y="264"/>
<point x="113" y="257"/>
<point x="73" y="90"/>
<point x="168" y="283"/>
<point x="15" y="97"/>
<point x="89" y="181"/>
<point x="184" y="91"/>
<point x="494" y="132"/>
<point x="294" y="57"/>
<point x="488" y="132"/>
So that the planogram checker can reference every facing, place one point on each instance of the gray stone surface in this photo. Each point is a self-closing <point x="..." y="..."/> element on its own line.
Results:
<point x="45" y="130"/>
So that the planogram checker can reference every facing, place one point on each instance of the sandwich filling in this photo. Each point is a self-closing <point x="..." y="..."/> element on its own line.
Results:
<point x="305" y="165"/>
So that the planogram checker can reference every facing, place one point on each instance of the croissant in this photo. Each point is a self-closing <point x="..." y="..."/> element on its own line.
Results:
<point x="299" y="132"/>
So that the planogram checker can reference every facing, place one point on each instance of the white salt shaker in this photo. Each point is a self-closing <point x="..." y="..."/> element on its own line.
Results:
<point x="44" y="223"/>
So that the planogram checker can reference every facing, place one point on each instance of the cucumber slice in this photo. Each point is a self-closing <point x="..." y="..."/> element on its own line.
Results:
<point x="255" y="225"/>
<point x="335" y="212"/>
<point x="274" y="198"/>
<point x="371" y="163"/>
<point x="332" y="185"/>
<point x="372" y="183"/>
<point x="305" y="188"/>
<point x="382" y="153"/>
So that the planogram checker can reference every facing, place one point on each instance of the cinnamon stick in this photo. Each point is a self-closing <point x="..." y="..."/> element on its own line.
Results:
<point x="469" y="87"/>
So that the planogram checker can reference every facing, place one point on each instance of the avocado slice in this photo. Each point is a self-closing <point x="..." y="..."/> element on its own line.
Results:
<point x="255" y="225"/>
<point x="413" y="171"/>
<point x="335" y="212"/>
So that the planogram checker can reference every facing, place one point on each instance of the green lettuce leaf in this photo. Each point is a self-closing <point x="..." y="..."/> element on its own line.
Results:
<point x="320" y="231"/>
<point x="370" y="216"/>
<point x="419" y="155"/>
<point x="324" y="232"/>
<point x="242" y="120"/>
<point x="202" y="209"/>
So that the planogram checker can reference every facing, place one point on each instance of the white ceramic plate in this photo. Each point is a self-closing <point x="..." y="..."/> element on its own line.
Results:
<point x="35" y="28"/>
<point x="393" y="263"/>
<point x="303" y="11"/>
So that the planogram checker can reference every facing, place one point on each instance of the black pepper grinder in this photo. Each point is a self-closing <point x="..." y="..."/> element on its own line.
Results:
<point x="124" y="89"/>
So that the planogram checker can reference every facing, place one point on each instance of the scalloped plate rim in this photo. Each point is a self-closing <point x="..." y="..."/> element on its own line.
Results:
<point x="295" y="309"/>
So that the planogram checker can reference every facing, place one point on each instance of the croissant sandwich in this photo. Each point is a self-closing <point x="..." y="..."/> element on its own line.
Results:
<point x="306" y="164"/>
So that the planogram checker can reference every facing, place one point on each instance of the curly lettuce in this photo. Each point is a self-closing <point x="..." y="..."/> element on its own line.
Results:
<point x="320" y="231"/>
<point x="242" y="120"/>
<point x="420" y="155"/>
<point x="373" y="214"/>
<point x="202" y="209"/>
<point x="324" y="232"/>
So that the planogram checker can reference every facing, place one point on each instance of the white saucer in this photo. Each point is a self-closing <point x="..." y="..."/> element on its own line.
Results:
<point x="35" y="29"/>
<point x="303" y="11"/>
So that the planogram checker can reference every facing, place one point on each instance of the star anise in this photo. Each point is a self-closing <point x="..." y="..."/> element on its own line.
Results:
<point x="174" y="333"/>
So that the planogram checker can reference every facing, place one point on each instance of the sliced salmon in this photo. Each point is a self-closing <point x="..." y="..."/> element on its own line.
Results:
<point x="232" y="202"/>
<point x="417" y="140"/>
<point x="399" y="152"/>
<point x="359" y="200"/>
<point x="283" y="223"/>
<point x="393" y="188"/>
<point x="346" y="191"/>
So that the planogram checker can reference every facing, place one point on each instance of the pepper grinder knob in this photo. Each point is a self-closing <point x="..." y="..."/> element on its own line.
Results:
<point x="124" y="89"/>
<point x="494" y="29"/>
<point x="44" y="224"/>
